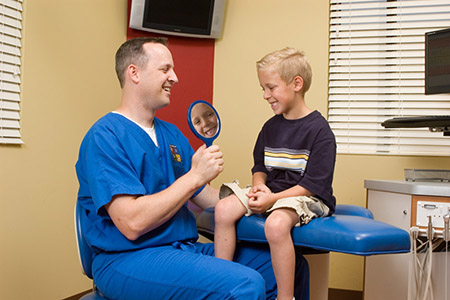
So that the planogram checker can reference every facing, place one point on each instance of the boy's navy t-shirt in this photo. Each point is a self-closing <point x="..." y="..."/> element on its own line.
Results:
<point x="298" y="152"/>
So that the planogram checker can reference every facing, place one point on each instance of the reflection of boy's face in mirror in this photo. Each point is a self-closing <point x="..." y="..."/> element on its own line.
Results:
<point x="204" y="120"/>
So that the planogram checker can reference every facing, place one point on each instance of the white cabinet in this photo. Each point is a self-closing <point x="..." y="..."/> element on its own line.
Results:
<point x="386" y="276"/>
<point x="393" y="202"/>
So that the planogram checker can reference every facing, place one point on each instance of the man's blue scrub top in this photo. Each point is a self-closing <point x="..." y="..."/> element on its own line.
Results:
<point x="118" y="157"/>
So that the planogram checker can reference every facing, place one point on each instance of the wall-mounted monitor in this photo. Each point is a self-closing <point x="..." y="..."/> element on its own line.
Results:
<point x="190" y="18"/>
<point x="437" y="62"/>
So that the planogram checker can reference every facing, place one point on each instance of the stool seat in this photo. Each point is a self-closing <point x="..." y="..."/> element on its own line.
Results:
<point x="85" y="253"/>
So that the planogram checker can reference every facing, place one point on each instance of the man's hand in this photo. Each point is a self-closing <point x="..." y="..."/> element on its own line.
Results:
<point x="207" y="163"/>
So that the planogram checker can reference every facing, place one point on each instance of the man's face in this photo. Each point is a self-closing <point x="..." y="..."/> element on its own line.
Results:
<point x="157" y="76"/>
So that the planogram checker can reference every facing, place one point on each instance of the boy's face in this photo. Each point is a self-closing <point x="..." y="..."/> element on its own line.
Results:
<point x="279" y="94"/>
<point x="204" y="120"/>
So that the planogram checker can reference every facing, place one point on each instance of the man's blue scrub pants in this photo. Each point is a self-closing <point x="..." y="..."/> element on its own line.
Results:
<point x="190" y="271"/>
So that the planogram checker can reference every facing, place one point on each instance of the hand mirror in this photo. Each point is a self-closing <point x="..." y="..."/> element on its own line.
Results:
<point x="204" y="121"/>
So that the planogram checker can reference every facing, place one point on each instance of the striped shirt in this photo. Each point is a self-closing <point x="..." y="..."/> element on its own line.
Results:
<point x="297" y="152"/>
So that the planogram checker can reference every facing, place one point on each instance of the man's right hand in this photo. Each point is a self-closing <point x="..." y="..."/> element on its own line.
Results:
<point x="207" y="163"/>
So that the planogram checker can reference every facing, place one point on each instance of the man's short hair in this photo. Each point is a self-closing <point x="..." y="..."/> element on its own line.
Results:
<point x="132" y="52"/>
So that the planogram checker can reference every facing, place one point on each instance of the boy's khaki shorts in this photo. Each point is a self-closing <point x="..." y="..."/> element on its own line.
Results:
<point x="306" y="207"/>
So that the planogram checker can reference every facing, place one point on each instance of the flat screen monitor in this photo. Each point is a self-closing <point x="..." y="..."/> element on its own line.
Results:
<point x="190" y="18"/>
<point x="437" y="62"/>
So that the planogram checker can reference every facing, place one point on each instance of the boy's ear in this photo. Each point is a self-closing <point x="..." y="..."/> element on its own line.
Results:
<point x="298" y="83"/>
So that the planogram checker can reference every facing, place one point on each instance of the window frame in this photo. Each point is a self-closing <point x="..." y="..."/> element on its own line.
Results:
<point x="376" y="72"/>
<point x="10" y="63"/>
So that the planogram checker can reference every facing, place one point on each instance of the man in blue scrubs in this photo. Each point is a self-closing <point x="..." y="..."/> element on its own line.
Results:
<point x="136" y="174"/>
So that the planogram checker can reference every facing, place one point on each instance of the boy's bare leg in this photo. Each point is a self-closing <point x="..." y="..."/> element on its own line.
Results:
<point x="278" y="233"/>
<point x="226" y="213"/>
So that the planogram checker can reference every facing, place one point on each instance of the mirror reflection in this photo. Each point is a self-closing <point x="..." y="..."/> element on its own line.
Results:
<point x="204" y="121"/>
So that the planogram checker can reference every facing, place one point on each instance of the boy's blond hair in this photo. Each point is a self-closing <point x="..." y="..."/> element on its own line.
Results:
<point x="288" y="62"/>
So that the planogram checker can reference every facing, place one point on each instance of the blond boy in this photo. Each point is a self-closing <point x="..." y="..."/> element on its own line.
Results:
<point x="294" y="160"/>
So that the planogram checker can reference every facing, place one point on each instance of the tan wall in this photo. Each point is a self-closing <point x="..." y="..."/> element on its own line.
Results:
<point x="68" y="83"/>
<point x="252" y="29"/>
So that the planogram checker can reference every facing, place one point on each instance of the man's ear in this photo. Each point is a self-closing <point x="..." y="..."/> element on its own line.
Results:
<point x="133" y="73"/>
<point x="298" y="83"/>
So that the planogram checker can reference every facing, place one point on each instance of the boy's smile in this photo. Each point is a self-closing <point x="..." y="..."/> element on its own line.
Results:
<point x="280" y="96"/>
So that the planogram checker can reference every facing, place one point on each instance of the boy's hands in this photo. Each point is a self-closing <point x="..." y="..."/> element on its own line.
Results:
<point x="258" y="188"/>
<point x="260" y="198"/>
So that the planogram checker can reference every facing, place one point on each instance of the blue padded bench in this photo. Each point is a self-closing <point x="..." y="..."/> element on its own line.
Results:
<point x="351" y="230"/>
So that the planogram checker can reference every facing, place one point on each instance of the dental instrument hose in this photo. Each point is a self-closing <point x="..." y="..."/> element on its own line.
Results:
<point x="412" y="274"/>
<point x="446" y="238"/>
<point x="430" y="261"/>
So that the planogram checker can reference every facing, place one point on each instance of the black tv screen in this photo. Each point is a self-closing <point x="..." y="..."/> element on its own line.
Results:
<point x="189" y="16"/>
<point x="437" y="62"/>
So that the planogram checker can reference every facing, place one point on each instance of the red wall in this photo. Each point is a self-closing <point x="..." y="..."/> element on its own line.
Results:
<point x="194" y="66"/>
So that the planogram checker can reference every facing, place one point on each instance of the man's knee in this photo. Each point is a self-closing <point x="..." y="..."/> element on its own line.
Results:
<point x="251" y="286"/>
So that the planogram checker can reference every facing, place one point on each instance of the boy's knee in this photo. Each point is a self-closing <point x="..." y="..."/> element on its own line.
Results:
<point x="225" y="211"/>
<point x="220" y="212"/>
<point x="276" y="228"/>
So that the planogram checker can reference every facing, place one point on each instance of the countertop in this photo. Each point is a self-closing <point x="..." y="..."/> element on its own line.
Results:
<point x="428" y="188"/>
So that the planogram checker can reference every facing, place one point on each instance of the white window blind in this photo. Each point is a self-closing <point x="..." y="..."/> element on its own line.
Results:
<point x="10" y="44"/>
<point x="376" y="72"/>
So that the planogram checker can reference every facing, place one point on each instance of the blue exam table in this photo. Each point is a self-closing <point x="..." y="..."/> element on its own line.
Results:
<point x="350" y="230"/>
